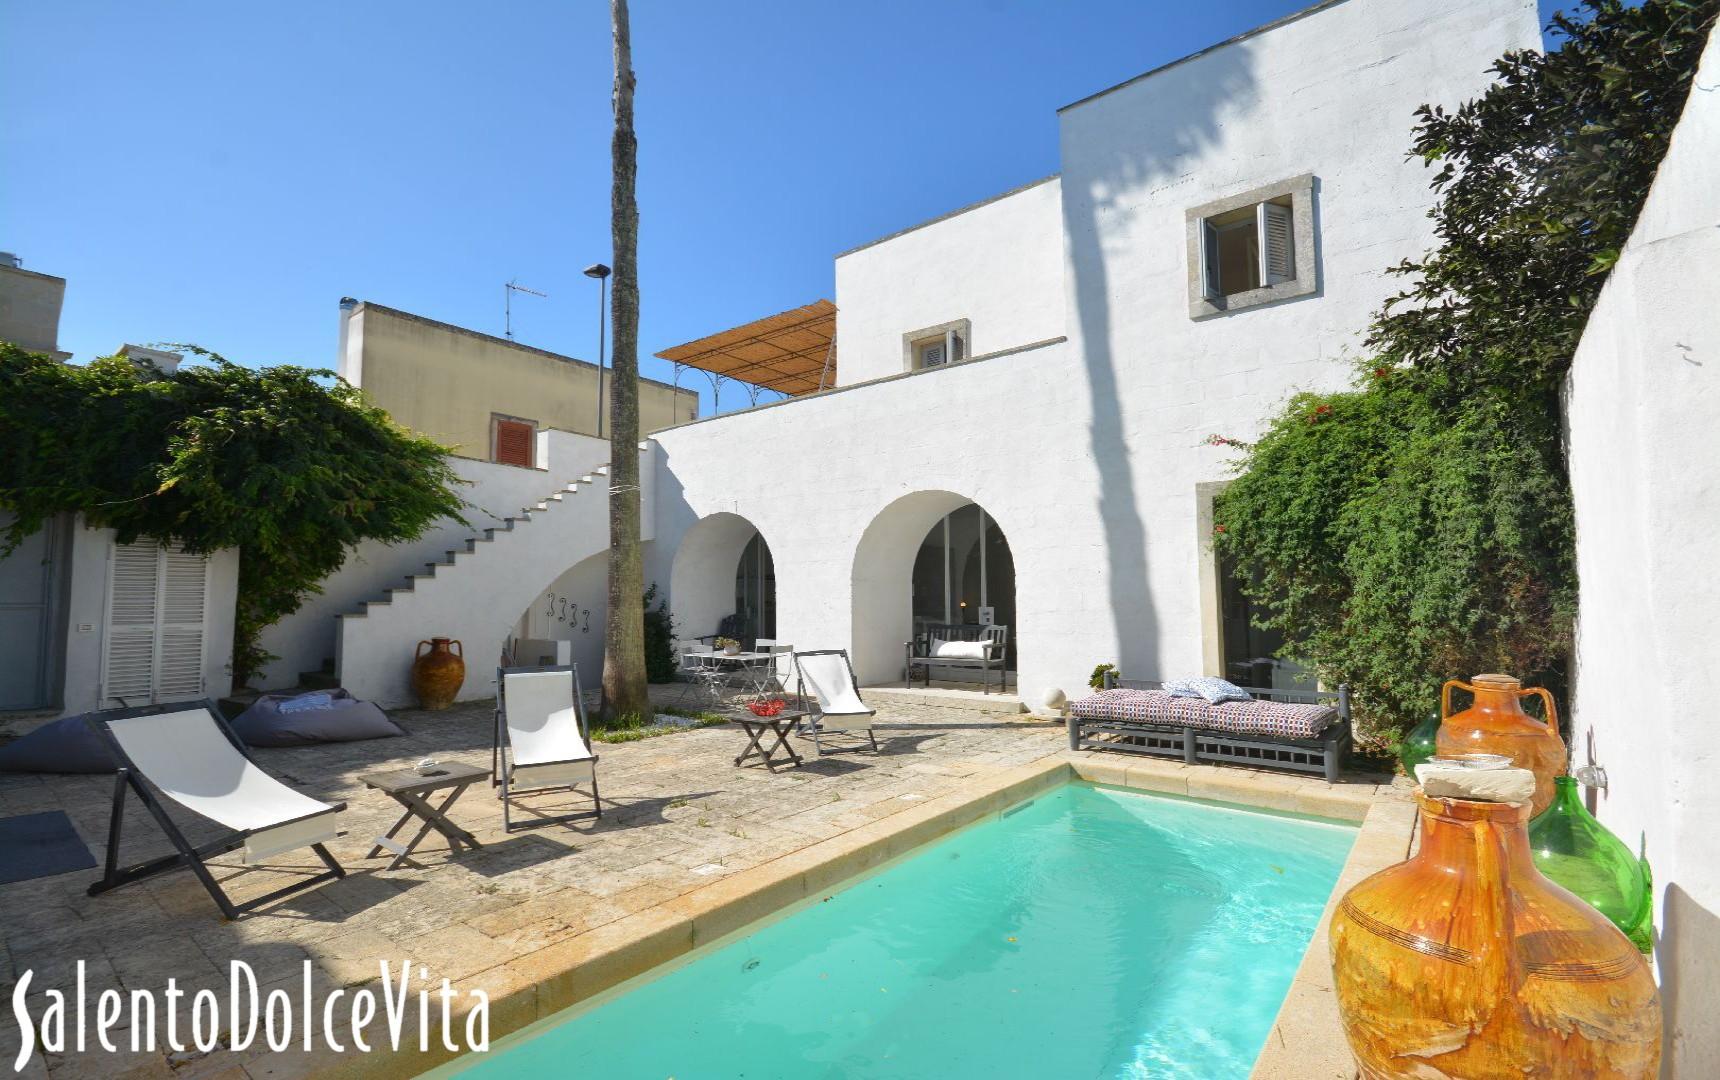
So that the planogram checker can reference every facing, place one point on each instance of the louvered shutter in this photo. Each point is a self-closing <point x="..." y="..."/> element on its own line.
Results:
<point x="179" y="638"/>
<point x="157" y="604"/>
<point x="128" y="669"/>
<point x="1209" y="261"/>
<point x="514" y="439"/>
<point x="1277" y="244"/>
<point x="933" y="356"/>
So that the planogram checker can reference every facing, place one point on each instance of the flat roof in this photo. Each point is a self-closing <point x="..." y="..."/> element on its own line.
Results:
<point x="371" y="305"/>
<point x="953" y="213"/>
<point x="1312" y="9"/>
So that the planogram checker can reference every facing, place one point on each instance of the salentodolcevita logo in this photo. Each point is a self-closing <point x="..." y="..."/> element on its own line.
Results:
<point x="353" y="1020"/>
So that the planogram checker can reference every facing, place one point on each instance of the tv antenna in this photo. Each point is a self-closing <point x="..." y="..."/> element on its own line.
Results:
<point x="508" y="291"/>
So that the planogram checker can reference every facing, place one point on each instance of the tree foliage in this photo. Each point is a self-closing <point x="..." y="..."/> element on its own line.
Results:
<point x="292" y="473"/>
<point x="1419" y="525"/>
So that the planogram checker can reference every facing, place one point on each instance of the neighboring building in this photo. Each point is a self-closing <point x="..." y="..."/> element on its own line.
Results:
<point x="487" y="397"/>
<point x="30" y="307"/>
<point x="88" y="622"/>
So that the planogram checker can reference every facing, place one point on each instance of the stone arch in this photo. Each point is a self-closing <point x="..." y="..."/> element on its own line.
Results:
<point x="702" y="576"/>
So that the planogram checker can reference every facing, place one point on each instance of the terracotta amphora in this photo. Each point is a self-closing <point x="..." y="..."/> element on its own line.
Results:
<point x="437" y="675"/>
<point x="1464" y="962"/>
<point x="1496" y="724"/>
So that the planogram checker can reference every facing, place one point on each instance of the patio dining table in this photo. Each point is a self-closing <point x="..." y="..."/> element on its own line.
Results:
<point x="755" y="667"/>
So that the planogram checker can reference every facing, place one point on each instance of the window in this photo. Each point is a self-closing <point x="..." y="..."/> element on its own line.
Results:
<point x="1253" y="248"/>
<point x="935" y="346"/>
<point x="513" y="441"/>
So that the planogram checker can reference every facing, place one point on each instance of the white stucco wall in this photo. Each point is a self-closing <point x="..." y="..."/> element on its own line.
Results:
<point x="303" y="640"/>
<point x="996" y="264"/>
<point x="1644" y="426"/>
<point x="574" y="608"/>
<point x="1087" y="453"/>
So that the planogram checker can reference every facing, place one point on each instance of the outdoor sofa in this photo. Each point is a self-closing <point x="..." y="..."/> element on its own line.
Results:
<point x="1299" y="730"/>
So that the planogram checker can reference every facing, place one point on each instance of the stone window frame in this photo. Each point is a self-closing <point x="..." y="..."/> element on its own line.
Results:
<point x="1300" y="190"/>
<point x="963" y="327"/>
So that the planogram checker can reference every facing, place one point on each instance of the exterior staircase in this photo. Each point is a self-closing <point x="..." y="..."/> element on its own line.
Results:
<point x="476" y="593"/>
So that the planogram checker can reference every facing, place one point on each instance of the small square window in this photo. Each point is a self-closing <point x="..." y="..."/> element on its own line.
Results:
<point x="936" y="346"/>
<point x="1251" y="249"/>
<point x="513" y="441"/>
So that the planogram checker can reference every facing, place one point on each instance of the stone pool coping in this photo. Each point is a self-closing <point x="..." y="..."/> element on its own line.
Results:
<point x="1306" y="1039"/>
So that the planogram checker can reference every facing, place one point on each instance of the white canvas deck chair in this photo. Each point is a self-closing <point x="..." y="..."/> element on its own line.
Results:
<point x="190" y="755"/>
<point x="542" y="742"/>
<point x="828" y="676"/>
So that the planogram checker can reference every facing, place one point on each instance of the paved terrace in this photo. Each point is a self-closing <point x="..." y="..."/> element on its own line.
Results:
<point x="678" y="815"/>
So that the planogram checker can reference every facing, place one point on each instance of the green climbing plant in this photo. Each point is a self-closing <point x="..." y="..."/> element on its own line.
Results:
<point x="292" y="472"/>
<point x="1419" y="524"/>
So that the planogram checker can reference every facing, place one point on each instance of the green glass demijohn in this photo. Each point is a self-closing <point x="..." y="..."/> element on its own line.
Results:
<point x="1581" y="854"/>
<point x="1419" y="745"/>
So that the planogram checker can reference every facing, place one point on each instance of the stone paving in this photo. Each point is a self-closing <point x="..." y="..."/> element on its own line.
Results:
<point x="678" y="815"/>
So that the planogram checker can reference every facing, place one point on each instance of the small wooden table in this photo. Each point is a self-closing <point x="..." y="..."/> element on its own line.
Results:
<point x="411" y="788"/>
<point x="758" y="727"/>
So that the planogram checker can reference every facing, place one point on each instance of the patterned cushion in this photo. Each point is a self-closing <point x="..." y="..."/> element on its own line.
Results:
<point x="1213" y="689"/>
<point x="1284" y="720"/>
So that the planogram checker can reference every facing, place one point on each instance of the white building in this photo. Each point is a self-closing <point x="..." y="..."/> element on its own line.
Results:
<point x="1059" y="355"/>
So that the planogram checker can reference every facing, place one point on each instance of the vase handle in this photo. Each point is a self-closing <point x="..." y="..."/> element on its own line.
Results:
<point x="419" y="651"/>
<point x="459" y="649"/>
<point x="1546" y="697"/>
<point x="1445" y="696"/>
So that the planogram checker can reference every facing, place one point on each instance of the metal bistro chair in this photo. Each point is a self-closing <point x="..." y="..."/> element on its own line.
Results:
<point x="770" y="676"/>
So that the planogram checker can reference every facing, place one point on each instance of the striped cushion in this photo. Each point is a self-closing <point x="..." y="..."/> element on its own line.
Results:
<point x="1284" y="720"/>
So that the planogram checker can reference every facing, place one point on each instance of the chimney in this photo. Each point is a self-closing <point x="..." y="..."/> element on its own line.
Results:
<point x="9" y="259"/>
<point x="166" y="363"/>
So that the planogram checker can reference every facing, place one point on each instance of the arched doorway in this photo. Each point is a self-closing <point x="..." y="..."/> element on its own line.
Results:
<point x="723" y="578"/>
<point x="930" y="557"/>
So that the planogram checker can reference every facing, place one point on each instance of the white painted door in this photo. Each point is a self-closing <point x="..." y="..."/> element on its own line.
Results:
<point x="157" y="601"/>
<point x="29" y="597"/>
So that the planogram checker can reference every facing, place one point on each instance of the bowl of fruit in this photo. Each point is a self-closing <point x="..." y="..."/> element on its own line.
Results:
<point x="769" y="707"/>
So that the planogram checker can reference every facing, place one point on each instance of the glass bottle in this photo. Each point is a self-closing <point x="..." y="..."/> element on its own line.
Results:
<point x="1419" y="745"/>
<point x="1578" y="852"/>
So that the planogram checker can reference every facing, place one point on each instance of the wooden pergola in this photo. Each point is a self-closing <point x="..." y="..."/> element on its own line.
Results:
<point x="793" y="352"/>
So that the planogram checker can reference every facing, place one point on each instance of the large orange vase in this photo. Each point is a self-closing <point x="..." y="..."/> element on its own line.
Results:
<point x="437" y="675"/>
<point x="1464" y="962"/>
<point x="1496" y="724"/>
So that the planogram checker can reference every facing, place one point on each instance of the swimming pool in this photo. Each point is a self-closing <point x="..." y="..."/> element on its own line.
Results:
<point x="1091" y="932"/>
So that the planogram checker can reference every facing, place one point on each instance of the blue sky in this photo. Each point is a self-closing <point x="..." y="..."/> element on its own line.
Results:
<point x="223" y="173"/>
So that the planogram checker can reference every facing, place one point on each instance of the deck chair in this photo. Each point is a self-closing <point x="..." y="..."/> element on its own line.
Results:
<point x="189" y="754"/>
<point x="836" y="703"/>
<point x="541" y="738"/>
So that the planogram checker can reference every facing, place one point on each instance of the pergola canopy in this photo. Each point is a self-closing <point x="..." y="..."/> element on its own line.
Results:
<point x="786" y="352"/>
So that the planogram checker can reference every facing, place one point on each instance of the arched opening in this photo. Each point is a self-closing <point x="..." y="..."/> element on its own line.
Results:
<point x="573" y="609"/>
<point x="930" y="558"/>
<point x="723" y="580"/>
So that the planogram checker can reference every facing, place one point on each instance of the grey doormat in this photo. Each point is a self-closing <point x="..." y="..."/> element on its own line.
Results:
<point x="40" y="845"/>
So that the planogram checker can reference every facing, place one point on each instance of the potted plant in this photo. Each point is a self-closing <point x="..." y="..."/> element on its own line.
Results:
<point x="728" y="645"/>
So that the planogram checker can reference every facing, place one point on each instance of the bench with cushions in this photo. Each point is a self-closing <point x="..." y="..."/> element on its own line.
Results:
<point x="1303" y="731"/>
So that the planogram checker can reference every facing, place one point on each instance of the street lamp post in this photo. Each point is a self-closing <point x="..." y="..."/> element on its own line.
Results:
<point x="601" y="273"/>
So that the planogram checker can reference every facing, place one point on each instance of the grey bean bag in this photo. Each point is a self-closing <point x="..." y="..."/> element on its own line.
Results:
<point x="318" y="717"/>
<point x="68" y="745"/>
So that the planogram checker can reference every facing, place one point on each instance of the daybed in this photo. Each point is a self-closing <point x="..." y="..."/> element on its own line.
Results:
<point x="1304" y="731"/>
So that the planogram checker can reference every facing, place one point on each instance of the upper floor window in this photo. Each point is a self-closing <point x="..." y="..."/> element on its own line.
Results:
<point x="512" y="440"/>
<point x="1253" y="248"/>
<point x="935" y="346"/>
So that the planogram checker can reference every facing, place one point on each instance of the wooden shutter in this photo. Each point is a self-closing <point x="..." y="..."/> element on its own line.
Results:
<point x="1277" y="244"/>
<point x="128" y="670"/>
<point x="1209" y="261"/>
<point x="179" y="627"/>
<point x="157" y="603"/>
<point x="514" y="442"/>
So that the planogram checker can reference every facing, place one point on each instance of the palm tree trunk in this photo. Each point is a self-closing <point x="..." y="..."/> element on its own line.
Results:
<point x="624" y="688"/>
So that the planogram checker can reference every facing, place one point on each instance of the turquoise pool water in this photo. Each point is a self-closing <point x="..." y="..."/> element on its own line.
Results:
<point x="1089" y="933"/>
